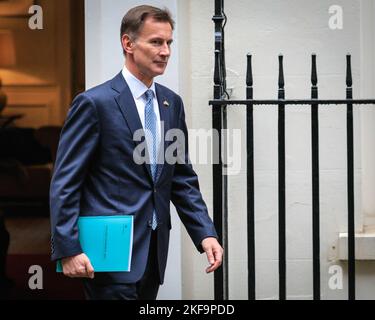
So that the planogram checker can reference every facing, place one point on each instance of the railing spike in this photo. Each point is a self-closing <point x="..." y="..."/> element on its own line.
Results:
<point x="281" y="72"/>
<point x="314" y="77"/>
<point x="249" y="72"/>
<point x="349" y="80"/>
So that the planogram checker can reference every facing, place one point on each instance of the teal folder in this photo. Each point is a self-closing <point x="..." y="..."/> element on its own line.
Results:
<point x="107" y="241"/>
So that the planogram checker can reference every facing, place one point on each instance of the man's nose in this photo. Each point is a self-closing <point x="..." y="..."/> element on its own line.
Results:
<point x="165" y="50"/>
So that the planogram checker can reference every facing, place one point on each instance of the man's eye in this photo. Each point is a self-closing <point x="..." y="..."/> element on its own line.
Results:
<point x="156" y="42"/>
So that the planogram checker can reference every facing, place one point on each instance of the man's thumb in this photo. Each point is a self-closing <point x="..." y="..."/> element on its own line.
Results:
<point x="89" y="268"/>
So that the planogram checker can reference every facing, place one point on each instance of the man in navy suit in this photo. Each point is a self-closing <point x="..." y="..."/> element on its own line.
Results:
<point x="97" y="170"/>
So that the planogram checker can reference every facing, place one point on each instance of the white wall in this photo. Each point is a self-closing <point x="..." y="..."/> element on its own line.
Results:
<point x="104" y="59"/>
<point x="368" y="115"/>
<point x="296" y="29"/>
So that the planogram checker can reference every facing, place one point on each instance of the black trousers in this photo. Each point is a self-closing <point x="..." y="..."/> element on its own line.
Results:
<point x="145" y="289"/>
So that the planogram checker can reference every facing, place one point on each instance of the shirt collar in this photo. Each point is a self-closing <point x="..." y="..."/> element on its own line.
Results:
<point x="136" y="86"/>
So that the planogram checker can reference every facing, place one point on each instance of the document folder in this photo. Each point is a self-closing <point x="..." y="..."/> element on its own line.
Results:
<point x="107" y="241"/>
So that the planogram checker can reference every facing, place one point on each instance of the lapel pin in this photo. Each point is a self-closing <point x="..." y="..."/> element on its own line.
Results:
<point x="166" y="103"/>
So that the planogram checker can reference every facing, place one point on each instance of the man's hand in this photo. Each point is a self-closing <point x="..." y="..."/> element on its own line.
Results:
<point x="78" y="266"/>
<point x="214" y="253"/>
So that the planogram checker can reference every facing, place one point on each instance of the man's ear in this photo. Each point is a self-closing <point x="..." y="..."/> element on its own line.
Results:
<point x="127" y="43"/>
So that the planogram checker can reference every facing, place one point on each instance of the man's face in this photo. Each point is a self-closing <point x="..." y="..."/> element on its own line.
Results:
<point x="150" y="51"/>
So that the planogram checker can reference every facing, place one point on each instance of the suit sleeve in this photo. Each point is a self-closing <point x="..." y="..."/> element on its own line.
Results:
<point x="78" y="141"/>
<point x="186" y="195"/>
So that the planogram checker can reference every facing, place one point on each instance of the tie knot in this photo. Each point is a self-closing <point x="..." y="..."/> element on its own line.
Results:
<point x="149" y="94"/>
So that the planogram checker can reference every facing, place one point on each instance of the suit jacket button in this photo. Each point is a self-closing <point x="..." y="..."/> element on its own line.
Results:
<point x="149" y="223"/>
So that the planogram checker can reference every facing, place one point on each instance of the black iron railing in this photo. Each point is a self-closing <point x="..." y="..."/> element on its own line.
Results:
<point x="220" y="188"/>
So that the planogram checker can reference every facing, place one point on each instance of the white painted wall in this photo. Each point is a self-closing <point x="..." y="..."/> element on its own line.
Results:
<point x="104" y="59"/>
<point x="295" y="29"/>
<point x="368" y="115"/>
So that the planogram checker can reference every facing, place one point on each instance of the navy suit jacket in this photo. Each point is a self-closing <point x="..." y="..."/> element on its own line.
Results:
<point x="95" y="174"/>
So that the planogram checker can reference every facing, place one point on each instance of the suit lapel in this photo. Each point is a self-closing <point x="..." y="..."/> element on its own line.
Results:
<point x="129" y="111"/>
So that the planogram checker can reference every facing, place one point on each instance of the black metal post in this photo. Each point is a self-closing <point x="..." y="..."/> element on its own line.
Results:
<point x="219" y="179"/>
<point x="315" y="181"/>
<point x="281" y="151"/>
<point x="350" y="172"/>
<point x="250" y="183"/>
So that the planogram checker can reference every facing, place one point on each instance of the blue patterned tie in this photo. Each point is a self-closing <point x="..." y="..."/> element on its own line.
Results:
<point x="151" y="138"/>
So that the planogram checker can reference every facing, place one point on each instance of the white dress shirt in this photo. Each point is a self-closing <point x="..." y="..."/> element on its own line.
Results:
<point x="138" y="89"/>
